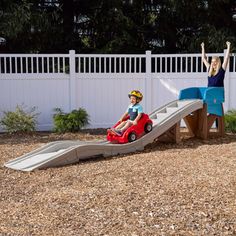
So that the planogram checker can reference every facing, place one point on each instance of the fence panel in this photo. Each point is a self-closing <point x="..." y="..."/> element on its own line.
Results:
<point x="33" y="64"/>
<point x="100" y="82"/>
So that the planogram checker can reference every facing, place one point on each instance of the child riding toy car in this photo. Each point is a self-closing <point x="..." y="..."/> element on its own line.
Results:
<point x="134" y="132"/>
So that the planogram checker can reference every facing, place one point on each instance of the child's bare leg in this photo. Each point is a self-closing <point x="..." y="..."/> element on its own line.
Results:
<point x="126" y="126"/>
<point x="121" y="125"/>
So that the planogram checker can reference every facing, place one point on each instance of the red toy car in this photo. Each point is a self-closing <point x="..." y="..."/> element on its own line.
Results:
<point x="133" y="132"/>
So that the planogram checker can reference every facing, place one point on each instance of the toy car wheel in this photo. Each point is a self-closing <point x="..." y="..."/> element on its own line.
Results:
<point x="132" y="137"/>
<point x="148" y="128"/>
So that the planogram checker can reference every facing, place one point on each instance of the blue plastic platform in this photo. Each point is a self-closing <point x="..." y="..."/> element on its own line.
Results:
<point x="212" y="96"/>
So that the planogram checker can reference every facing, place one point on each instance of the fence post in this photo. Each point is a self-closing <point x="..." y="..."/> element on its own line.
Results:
<point x="72" y="82"/>
<point x="227" y="86"/>
<point x="148" y="83"/>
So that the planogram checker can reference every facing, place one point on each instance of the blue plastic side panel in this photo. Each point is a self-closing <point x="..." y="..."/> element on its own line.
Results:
<point x="189" y="93"/>
<point x="215" y="109"/>
<point x="212" y="96"/>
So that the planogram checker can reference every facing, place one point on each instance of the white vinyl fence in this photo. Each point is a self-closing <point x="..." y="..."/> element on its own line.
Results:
<point x="100" y="83"/>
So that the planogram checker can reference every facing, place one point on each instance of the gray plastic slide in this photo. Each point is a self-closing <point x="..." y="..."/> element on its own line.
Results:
<point x="62" y="153"/>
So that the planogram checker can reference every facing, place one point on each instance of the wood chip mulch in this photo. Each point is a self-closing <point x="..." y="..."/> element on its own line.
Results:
<point x="168" y="189"/>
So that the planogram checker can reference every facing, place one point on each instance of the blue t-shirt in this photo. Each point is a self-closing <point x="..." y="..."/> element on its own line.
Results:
<point x="217" y="80"/>
<point x="134" y="110"/>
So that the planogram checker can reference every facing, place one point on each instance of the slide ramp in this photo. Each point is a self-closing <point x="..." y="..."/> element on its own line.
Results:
<point x="62" y="153"/>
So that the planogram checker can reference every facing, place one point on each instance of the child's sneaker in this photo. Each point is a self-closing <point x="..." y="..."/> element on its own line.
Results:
<point x="119" y="132"/>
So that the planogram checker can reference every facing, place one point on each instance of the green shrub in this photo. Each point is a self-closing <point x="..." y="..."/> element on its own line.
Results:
<point x="230" y="121"/>
<point x="19" y="120"/>
<point x="70" y="122"/>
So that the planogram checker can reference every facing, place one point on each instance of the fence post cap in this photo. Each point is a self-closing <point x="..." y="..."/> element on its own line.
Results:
<point x="148" y="52"/>
<point x="72" y="51"/>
